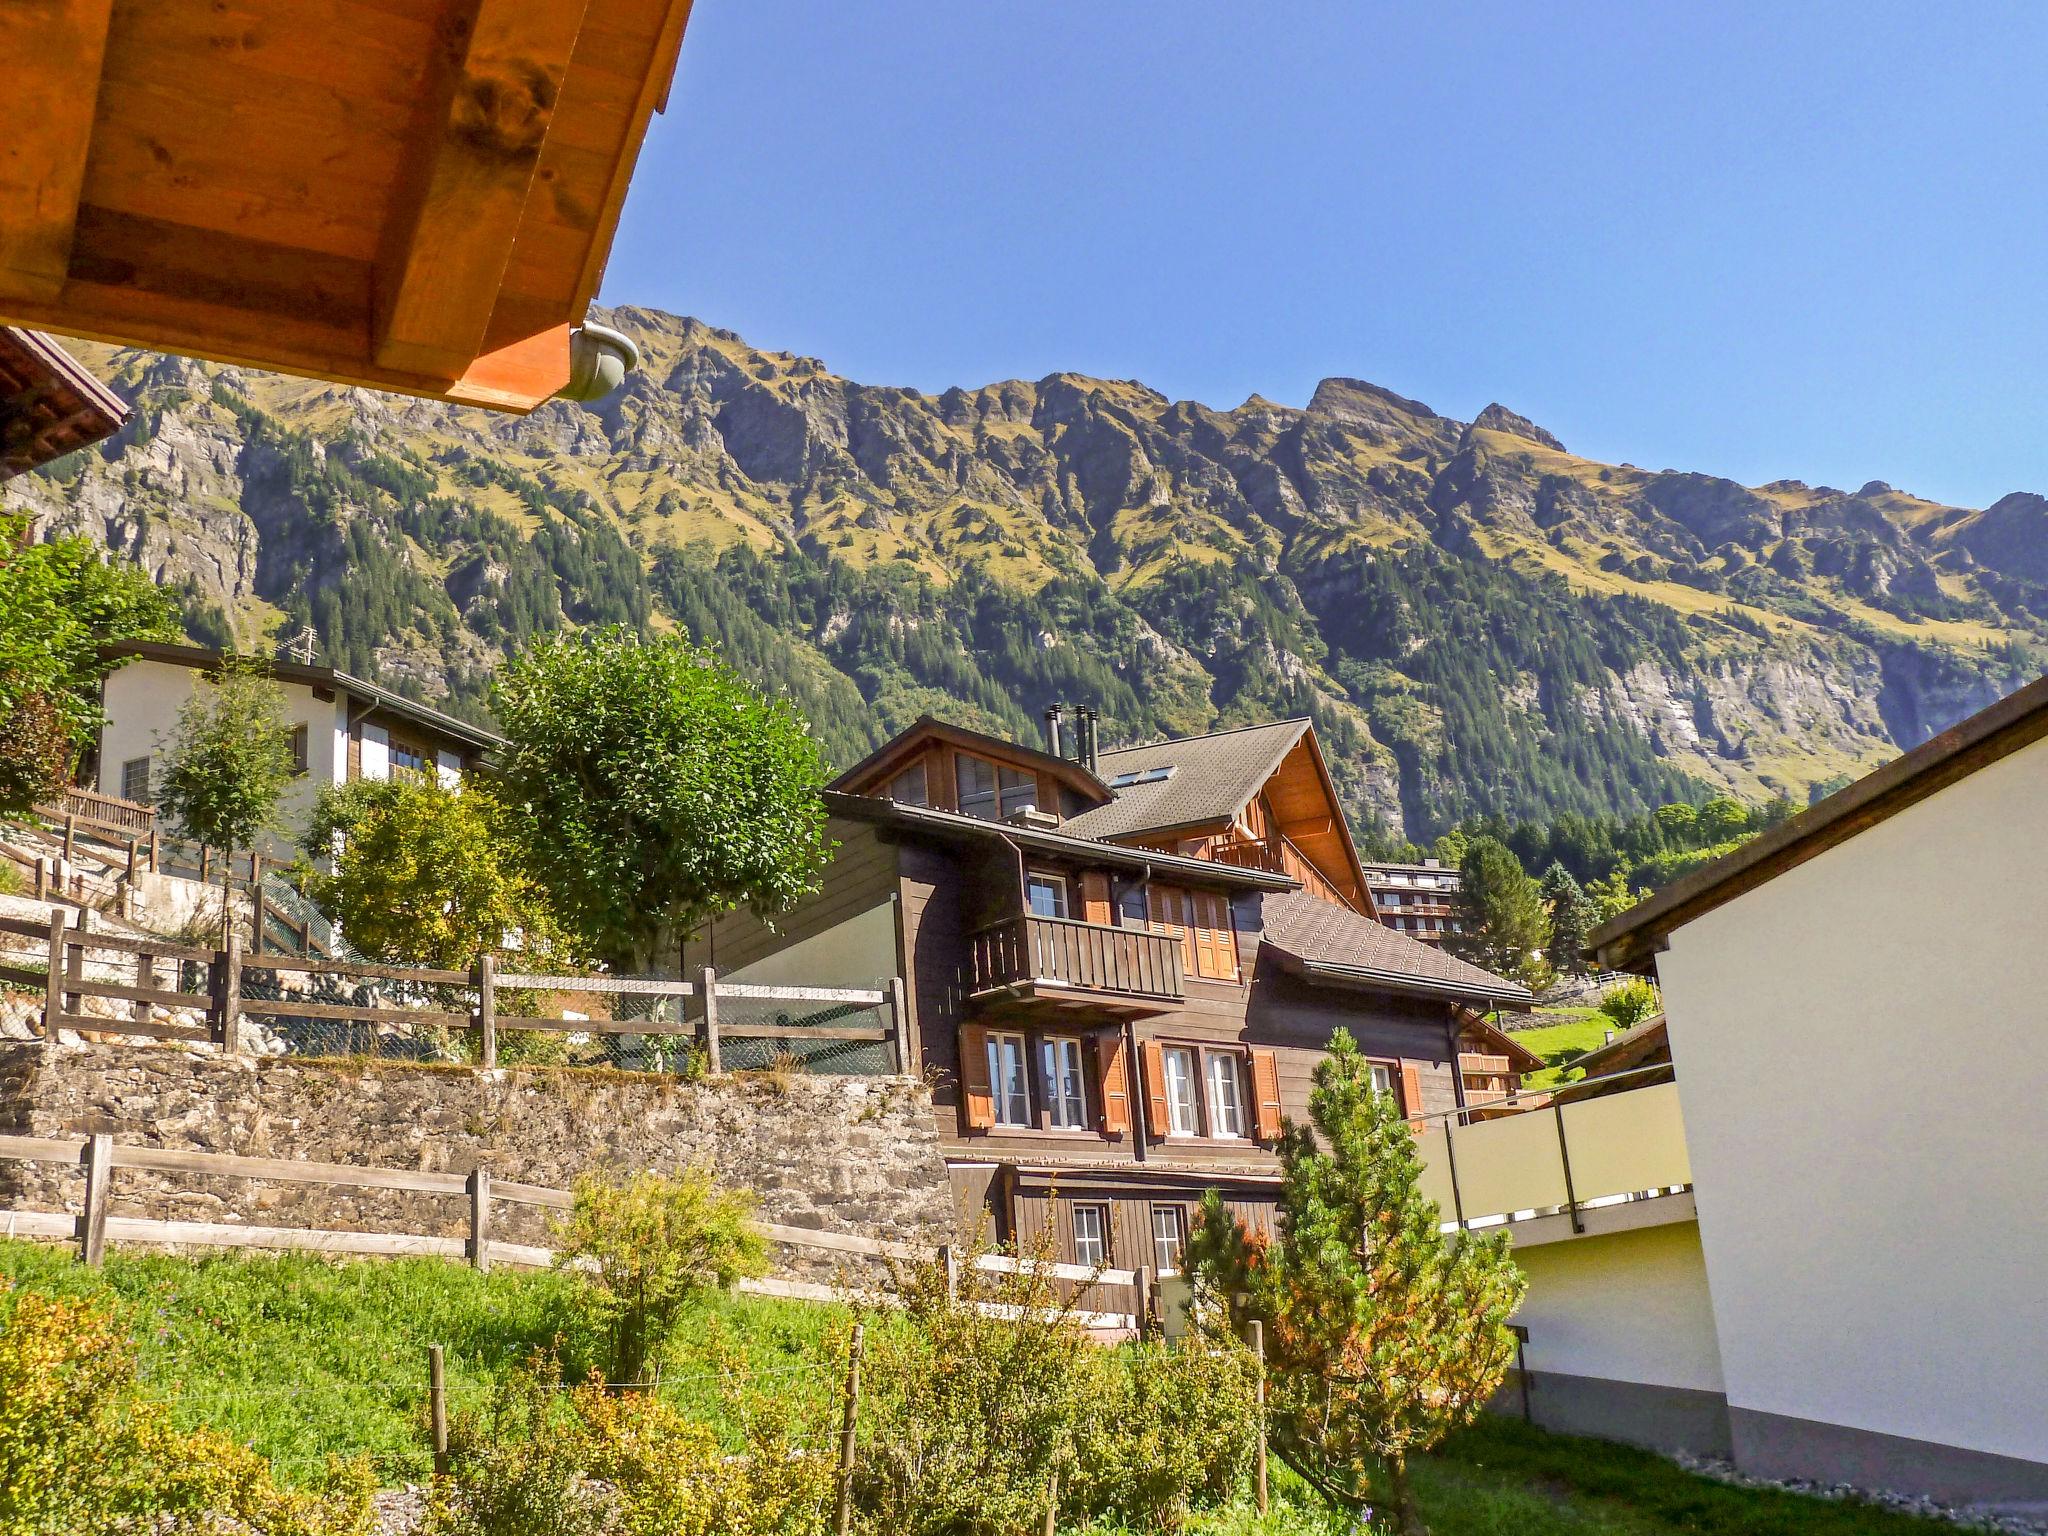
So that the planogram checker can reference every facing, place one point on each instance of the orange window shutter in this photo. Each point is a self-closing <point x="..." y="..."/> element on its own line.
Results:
<point x="1095" y="898"/>
<point x="977" y="1099"/>
<point x="1266" y="1087"/>
<point x="1156" y="1120"/>
<point x="1112" y="1084"/>
<point x="1411" y="1090"/>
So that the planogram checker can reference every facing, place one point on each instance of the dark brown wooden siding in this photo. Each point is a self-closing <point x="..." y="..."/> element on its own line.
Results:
<point x="861" y="877"/>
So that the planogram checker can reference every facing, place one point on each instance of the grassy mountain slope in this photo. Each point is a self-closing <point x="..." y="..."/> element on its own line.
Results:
<point x="1479" y="620"/>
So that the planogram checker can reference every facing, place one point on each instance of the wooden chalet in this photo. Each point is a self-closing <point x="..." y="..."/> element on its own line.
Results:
<point x="1120" y="973"/>
<point x="412" y="195"/>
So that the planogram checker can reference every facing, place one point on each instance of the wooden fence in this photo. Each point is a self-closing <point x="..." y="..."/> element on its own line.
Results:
<point x="207" y="987"/>
<point x="92" y="1226"/>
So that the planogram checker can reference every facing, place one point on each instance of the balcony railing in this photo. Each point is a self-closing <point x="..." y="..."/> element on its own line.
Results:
<point x="1062" y="953"/>
<point x="1277" y="855"/>
<point x="1560" y="1159"/>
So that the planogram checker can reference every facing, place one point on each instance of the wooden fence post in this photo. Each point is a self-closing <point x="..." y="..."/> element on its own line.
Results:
<point x="1052" y="1504"/>
<point x="480" y="1218"/>
<point x="437" y="1406"/>
<point x="950" y="1257"/>
<point x="205" y="865"/>
<point x="848" y="1424"/>
<point x="486" y="973"/>
<point x="53" y="993"/>
<point x="92" y="1220"/>
<point x="134" y="857"/>
<point x="42" y="878"/>
<point x="1259" y="1359"/>
<point x="70" y="835"/>
<point x="1143" y="1308"/>
<point x="155" y="853"/>
<point x="899" y="1020"/>
<point x="707" y="988"/>
<point x="145" y="977"/>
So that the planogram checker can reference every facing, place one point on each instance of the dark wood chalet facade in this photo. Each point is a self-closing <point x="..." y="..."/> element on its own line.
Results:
<point x="1120" y="977"/>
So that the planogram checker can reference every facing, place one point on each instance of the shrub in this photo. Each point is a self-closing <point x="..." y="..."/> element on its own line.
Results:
<point x="537" y="1459"/>
<point x="645" y="1248"/>
<point x="1630" y="1003"/>
<point x="985" y="1407"/>
<point x="82" y="1452"/>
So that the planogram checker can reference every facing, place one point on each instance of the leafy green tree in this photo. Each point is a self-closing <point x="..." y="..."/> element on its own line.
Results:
<point x="1504" y="920"/>
<point x="424" y="874"/>
<point x="1722" y="819"/>
<point x="226" y="764"/>
<point x="1612" y="896"/>
<point x="59" y="603"/>
<point x="1381" y="1336"/>
<point x="1571" y="916"/>
<point x="655" y="788"/>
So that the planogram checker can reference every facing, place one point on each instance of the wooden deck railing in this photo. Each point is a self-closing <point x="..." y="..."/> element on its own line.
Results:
<point x="97" y="812"/>
<point x="1277" y="855"/>
<point x="1089" y="957"/>
<point x="199" y="995"/>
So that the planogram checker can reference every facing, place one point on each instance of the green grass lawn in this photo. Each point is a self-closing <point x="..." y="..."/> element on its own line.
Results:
<point x="1562" y="1036"/>
<point x="299" y="1358"/>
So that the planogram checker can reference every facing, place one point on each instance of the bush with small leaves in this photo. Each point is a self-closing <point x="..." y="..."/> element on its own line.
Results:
<point x="1630" y="1003"/>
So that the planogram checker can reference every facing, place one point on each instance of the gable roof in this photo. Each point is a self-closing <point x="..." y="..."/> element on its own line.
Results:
<point x="906" y="744"/>
<point x="2018" y="720"/>
<point x="1520" y="1057"/>
<point x="200" y="659"/>
<point x="1329" y="944"/>
<point x="1643" y="1045"/>
<point x="1213" y="778"/>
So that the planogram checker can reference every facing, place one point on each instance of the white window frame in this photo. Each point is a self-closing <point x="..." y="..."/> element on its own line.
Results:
<point x="1382" y="1077"/>
<point x="1098" y="1215"/>
<point x="1009" y="1091"/>
<point x="1177" y="1123"/>
<point x="129" y="768"/>
<point x="1218" y="1069"/>
<point x="1057" y="883"/>
<point x="1169" y="1263"/>
<point x="1064" y="1073"/>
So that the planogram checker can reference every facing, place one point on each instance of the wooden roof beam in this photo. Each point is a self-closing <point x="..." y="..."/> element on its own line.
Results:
<point x="498" y="78"/>
<point x="56" y="49"/>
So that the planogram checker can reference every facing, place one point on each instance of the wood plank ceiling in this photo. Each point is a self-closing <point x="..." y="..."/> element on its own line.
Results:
<point x="414" y="195"/>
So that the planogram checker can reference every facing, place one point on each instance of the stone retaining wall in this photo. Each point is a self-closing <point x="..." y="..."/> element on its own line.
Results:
<point x="835" y="1154"/>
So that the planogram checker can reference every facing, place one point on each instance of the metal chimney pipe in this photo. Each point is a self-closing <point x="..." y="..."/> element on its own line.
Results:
<point x="1086" y="729"/>
<point x="1052" y="728"/>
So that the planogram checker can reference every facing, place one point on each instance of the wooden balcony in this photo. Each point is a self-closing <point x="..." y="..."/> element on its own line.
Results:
<point x="1072" y="964"/>
<point x="1277" y="855"/>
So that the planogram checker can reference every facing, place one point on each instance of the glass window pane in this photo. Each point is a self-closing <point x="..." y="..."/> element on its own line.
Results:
<point x="1066" y="1094"/>
<point x="1183" y="1114"/>
<point x="1382" y="1079"/>
<point x="1091" y="1228"/>
<point x="1169" y="1236"/>
<point x="908" y="788"/>
<point x="1006" y="1079"/>
<point x="1226" y="1111"/>
<point x="1019" y="790"/>
<point x="1048" y="895"/>
<point x="976" y="781"/>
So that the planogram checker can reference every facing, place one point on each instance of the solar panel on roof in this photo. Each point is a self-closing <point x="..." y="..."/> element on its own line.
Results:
<point x="1141" y="776"/>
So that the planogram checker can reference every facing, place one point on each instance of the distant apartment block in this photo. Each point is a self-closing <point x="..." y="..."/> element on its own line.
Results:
<point x="1420" y="900"/>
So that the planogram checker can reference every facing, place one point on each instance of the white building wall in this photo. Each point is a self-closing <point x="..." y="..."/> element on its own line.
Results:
<point x="1624" y="1307"/>
<point x="1860" y="1049"/>
<point x="142" y="700"/>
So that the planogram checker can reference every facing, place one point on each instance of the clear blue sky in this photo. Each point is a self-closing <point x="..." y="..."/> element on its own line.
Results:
<point x="1773" y="240"/>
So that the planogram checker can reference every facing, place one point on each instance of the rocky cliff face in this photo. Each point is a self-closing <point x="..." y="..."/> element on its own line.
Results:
<point x="1480" y="620"/>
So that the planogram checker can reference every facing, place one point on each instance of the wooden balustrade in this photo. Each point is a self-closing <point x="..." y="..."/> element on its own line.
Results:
<point x="1087" y="957"/>
<point x="1277" y="855"/>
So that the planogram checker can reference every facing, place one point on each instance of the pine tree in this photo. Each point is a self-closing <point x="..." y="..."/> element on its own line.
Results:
<point x="1504" y="920"/>
<point x="1571" y="916"/>
<point x="1382" y="1336"/>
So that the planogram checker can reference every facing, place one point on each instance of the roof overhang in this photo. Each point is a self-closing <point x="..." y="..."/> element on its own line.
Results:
<point x="201" y="660"/>
<point x="1631" y="942"/>
<point x="1372" y="979"/>
<point x="953" y="827"/>
<point x="415" y="197"/>
<point x="49" y="405"/>
<point x="1519" y="1056"/>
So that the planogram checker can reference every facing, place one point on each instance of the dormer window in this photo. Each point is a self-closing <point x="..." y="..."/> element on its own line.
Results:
<point x="992" y="791"/>
<point x="908" y="787"/>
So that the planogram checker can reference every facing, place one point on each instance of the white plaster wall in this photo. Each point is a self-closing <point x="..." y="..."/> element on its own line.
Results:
<point x="142" y="701"/>
<point x="1627" y="1306"/>
<point x="1862" y="1059"/>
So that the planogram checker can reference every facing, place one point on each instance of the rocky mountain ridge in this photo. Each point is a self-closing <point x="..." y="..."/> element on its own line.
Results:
<point x="1479" y="620"/>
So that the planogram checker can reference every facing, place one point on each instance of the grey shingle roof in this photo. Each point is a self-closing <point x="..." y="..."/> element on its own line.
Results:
<point x="1319" y="935"/>
<point x="1213" y="776"/>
